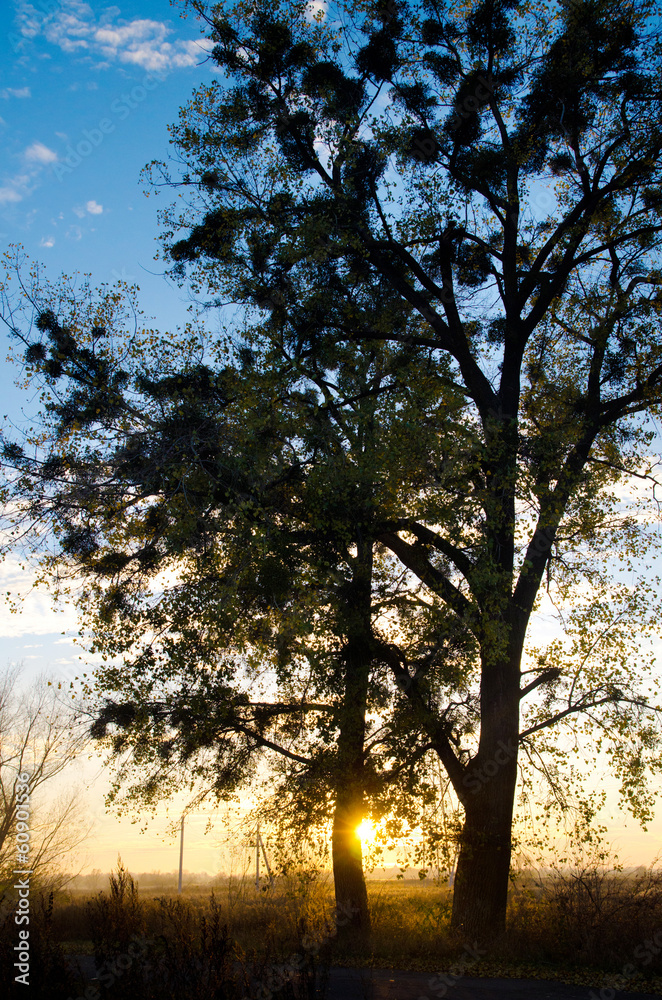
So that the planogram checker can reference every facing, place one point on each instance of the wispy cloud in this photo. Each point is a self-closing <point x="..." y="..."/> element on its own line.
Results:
<point x="91" y="207"/>
<point x="14" y="189"/>
<point x="10" y="193"/>
<point x="39" y="153"/>
<point x="75" y="29"/>
<point x="144" y="43"/>
<point x="19" y="92"/>
<point x="35" y="159"/>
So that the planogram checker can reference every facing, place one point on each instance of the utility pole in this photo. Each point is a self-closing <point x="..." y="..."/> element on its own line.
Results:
<point x="259" y="846"/>
<point x="451" y="877"/>
<point x="181" y="854"/>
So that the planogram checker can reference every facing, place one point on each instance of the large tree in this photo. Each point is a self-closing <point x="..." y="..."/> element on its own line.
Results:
<point x="402" y="148"/>
<point x="222" y="513"/>
<point x="413" y="141"/>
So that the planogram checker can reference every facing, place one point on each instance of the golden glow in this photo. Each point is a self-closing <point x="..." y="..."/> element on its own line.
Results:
<point x="366" y="831"/>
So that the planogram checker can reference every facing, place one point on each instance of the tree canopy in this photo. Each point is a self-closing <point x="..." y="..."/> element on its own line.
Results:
<point x="410" y="141"/>
<point x="223" y="515"/>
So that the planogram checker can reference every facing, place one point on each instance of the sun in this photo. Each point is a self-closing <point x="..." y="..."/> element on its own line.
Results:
<point x="366" y="831"/>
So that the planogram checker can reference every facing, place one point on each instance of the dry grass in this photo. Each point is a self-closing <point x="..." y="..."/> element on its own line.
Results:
<point x="579" y="925"/>
<point x="590" y="916"/>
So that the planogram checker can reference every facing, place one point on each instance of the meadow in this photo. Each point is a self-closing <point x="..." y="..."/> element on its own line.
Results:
<point x="593" y="926"/>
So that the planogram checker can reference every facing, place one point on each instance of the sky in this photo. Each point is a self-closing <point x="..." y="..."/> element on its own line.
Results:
<point x="87" y="91"/>
<point x="86" y="94"/>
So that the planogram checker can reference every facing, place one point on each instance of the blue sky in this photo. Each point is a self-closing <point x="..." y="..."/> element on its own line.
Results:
<point x="87" y="91"/>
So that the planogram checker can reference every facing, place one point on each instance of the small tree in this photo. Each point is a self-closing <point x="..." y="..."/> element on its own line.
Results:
<point x="264" y="517"/>
<point x="38" y="737"/>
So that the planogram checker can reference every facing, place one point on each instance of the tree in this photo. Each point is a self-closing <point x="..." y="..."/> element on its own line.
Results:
<point x="549" y="321"/>
<point x="543" y="332"/>
<point x="265" y="518"/>
<point x="38" y="737"/>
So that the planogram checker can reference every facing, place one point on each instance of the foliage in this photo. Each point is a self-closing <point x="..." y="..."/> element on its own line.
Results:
<point x="425" y="179"/>
<point x="252" y="553"/>
<point x="555" y="372"/>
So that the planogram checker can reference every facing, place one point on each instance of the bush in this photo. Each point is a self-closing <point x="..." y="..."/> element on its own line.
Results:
<point x="589" y="915"/>
<point x="50" y="973"/>
<point x="179" y="949"/>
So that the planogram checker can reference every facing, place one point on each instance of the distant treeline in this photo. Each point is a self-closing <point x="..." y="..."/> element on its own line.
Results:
<point x="98" y="879"/>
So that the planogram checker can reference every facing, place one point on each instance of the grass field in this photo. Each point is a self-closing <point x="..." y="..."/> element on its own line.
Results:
<point x="592" y="927"/>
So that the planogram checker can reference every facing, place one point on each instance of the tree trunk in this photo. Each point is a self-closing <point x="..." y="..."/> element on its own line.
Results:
<point x="351" y="895"/>
<point x="483" y="871"/>
<point x="480" y="893"/>
<point x="352" y="912"/>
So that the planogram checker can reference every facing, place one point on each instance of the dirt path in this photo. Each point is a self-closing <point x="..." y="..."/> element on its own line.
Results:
<point x="396" y="984"/>
<point x="392" y="984"/>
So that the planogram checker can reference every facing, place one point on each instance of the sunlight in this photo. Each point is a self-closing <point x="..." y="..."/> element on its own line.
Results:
<point x="366" y="831"/>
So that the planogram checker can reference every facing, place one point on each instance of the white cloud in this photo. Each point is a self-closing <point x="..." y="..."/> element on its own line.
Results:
<point x="15" y="188"/>
<point x="316" y="10"/>
<point x="144" y="43"/>
<point x="36" y="158"/>
<point x="47" y="241"/>
<point x="35" y="614"/>
<point x="39" y="153"/>
<point x="74" y="28"/>
<point x="9" y="195"/>
<point x="29" y="20"/>
<point x="15" y="92"/>
<point x="90" y="207"/>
